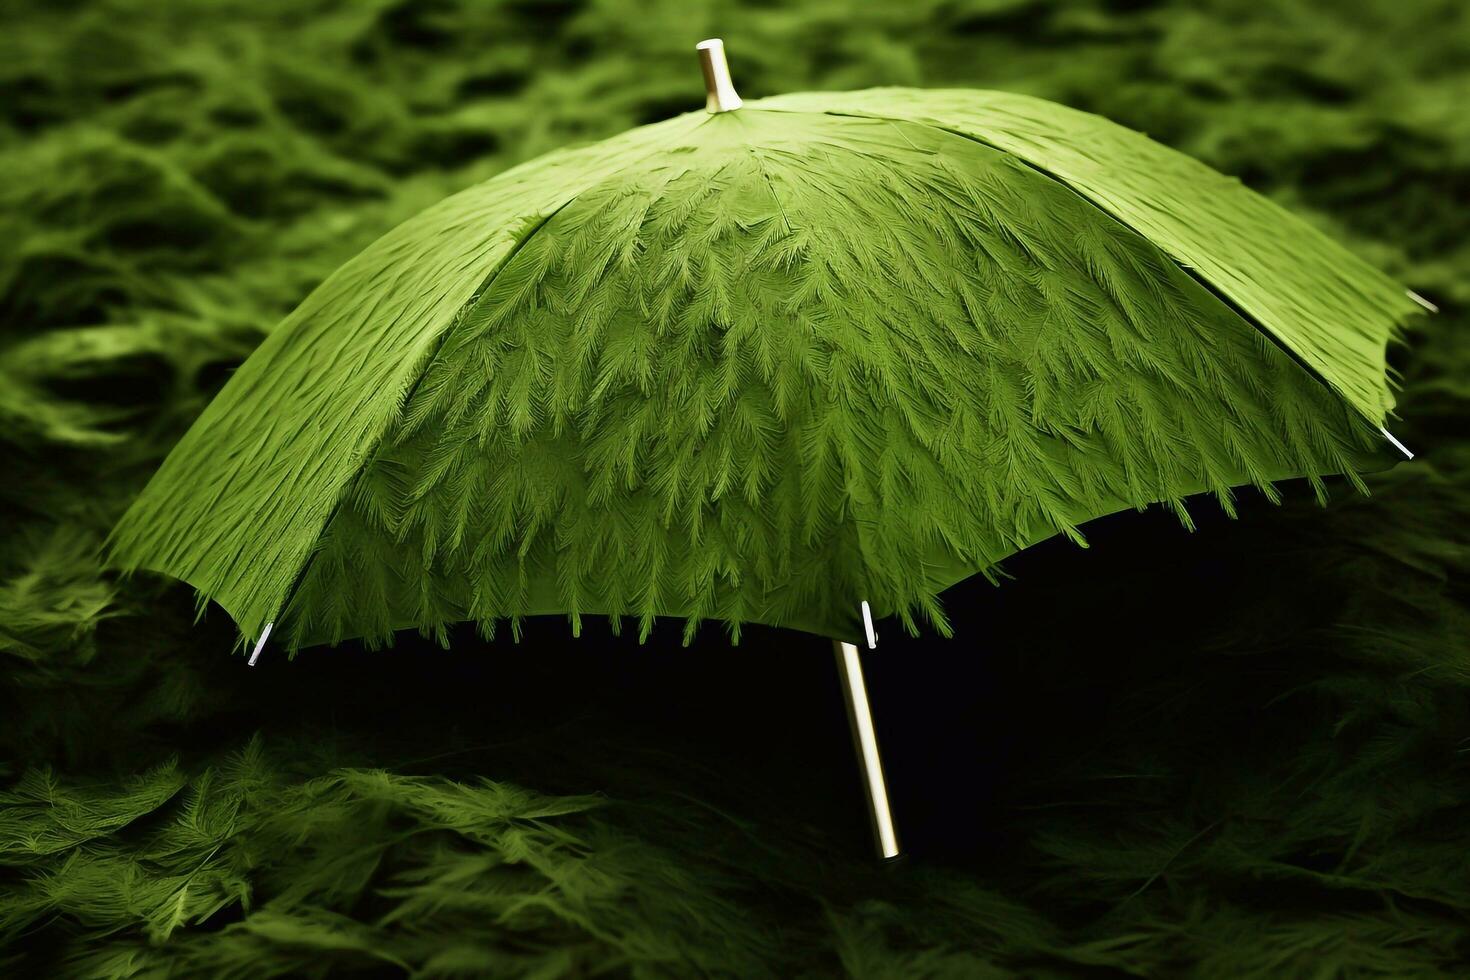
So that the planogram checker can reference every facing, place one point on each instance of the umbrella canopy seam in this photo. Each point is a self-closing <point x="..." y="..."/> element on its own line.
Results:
<point x="129" y="546"/>
<point x="428" y="363"/>
<point x="368" y="460"/>
<point x="1255" y="321"/>
<point x="1094" y="200"/>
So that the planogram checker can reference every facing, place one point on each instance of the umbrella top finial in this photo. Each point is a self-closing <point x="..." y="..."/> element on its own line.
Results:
<point x="720" y="94"/>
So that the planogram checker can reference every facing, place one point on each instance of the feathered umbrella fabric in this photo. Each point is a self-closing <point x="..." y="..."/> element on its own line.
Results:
<point x="760" y="366"/>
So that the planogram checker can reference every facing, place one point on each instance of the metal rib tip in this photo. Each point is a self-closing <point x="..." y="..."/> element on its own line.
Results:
<point x="720" y="95"/>
<point x="868" y="626"/>
<point x="1397" y="445"/>
<point x="1422" y="301"/>
<point x="260" y="643"/>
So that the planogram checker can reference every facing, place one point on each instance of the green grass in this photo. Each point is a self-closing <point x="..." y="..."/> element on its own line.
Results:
<point x="1235" y="752"/>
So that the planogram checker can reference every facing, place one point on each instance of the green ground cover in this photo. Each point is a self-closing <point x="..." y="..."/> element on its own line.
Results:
<point x="1237" y="752"/>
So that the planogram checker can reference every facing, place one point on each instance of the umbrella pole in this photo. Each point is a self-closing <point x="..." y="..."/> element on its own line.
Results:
<point x="865" y="740"/>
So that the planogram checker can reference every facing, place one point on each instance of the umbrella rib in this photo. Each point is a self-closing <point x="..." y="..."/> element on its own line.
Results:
<point x="1421" y="301"/>
<point x="438" y="346"/>
<point x="408" y="397"/>
<point x="1397" y="445"/>
<point x="765" y="175"/>
<point x="1192" y="273"/>
<point x="260" y="643"/>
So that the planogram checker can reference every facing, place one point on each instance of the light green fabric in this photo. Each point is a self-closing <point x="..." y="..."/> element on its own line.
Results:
<point x="1328" y="307"/>
<point x="764" y="365"/>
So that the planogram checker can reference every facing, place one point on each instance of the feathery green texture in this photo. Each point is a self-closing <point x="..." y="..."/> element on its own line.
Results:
<point x="1328" y="307"/>
<point x="1232" y="753"/>
<point x="252" y="485"/>
<point x="751" y="367"/>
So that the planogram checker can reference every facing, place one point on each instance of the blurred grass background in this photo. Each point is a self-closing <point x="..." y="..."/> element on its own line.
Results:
<point x="1232" y="753"/>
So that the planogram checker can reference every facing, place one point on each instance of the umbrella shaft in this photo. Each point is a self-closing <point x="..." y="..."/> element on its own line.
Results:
<point x="865" y="740"/>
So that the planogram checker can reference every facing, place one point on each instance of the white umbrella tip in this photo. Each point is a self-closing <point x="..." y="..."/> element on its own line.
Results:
<point x="260" y="643"/>
<point x="720" y="94"/>
<point x="872" y="634"/>
<point x="1397" y="445"/>
<point x="1422" y="301"/>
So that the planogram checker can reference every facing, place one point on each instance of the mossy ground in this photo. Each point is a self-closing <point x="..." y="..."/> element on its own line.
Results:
<point x="1235" y="752"/>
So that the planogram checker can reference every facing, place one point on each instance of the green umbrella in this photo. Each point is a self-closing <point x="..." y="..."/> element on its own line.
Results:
<point x="792" y="362"/>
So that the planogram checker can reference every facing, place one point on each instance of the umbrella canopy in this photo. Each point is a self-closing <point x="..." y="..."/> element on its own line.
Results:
<point x="764" y="365"/>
